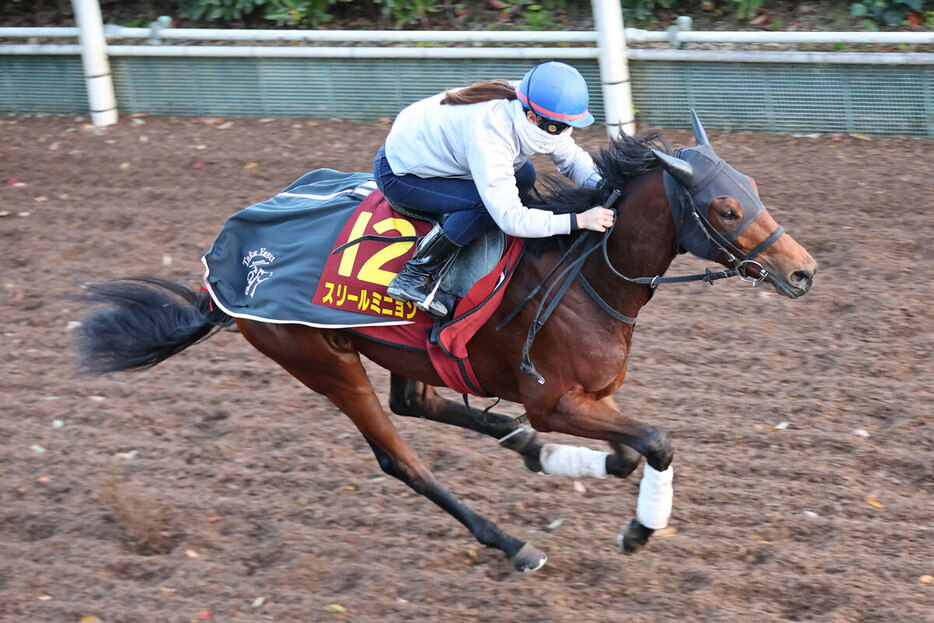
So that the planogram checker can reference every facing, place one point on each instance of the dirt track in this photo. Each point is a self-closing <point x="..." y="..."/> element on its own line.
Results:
<point x="214" y="482"/>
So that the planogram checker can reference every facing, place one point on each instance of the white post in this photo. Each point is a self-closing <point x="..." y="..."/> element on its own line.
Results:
<point x="100" y="86"/>
<point x="614" y="67"/>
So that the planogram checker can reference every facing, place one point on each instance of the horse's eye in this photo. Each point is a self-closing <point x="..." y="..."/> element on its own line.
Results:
<point x="729" y="215"/>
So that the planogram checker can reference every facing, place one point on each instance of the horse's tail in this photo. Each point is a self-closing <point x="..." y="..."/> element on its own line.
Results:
<point x="146" y="321"/>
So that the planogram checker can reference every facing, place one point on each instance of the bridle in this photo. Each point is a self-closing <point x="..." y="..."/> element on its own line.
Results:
<point x="589" y="241"/>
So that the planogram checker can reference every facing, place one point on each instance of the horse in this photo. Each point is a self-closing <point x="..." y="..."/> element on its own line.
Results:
<point x="589" y="288"/>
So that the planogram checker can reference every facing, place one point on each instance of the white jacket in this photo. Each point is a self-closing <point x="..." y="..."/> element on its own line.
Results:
<point x="486" y="142"/>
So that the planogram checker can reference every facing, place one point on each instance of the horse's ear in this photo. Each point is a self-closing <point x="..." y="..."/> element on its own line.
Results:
<point x="699" y="135"/>
<point x="679" y="169"/>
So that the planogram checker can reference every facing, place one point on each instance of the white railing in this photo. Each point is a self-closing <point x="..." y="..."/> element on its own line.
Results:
<point x="675" y="37"/>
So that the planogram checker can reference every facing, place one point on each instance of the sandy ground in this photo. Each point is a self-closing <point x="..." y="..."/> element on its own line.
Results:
<point x="214" y="486"/>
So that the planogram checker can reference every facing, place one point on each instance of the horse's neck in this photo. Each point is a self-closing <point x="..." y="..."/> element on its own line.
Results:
<point x="642" y="245"/>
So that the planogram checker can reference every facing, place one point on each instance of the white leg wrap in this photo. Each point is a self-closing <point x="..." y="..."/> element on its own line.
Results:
<point x="562" y="460"/>
<point x="655" y="497"/>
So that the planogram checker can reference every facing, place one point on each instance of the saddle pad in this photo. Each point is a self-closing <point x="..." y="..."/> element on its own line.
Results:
<point x="280" y="261"/>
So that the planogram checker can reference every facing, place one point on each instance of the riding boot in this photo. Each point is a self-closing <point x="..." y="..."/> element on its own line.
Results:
<point x="418" y="279"/>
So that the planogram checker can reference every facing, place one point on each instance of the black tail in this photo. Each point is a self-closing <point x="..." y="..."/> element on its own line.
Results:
<point x="147" y="320"/>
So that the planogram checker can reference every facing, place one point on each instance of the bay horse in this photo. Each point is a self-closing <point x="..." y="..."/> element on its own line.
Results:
<point x="665" y="205"/>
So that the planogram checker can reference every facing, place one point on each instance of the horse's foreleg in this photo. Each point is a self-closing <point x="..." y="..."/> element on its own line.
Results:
<point x="579" y="414"/>
<point x="412" y="398"/>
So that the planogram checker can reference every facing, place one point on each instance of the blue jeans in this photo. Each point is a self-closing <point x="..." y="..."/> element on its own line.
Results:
<point x="444" y="195"/>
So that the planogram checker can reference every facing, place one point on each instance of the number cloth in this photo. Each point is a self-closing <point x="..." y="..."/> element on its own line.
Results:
<point x="275" y="261"/>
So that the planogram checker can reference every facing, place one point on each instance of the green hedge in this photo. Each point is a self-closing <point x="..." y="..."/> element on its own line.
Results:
<point x="524" y="14"/>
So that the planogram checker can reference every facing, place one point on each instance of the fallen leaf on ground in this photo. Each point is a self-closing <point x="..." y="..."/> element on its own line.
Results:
<point x="554" y="525"/>
<point x="259" y="601"/>
<point x="874" y="504"/>
<point x="335" y="608"/>
<point x="251" y="165"/>
<point x="124" y="165"/>
<point x="926" y="579"/>
<point x="666" y="532"/>
<point x="780" y="426"/>
<point x="191" y="553"/>
<point x="472" y="552"/>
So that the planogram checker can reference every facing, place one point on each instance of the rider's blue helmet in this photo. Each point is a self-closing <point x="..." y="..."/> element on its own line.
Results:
<point x="556" y="91"/>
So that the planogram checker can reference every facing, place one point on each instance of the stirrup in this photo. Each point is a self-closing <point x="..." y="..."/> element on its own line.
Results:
<point x="431" y="305"/>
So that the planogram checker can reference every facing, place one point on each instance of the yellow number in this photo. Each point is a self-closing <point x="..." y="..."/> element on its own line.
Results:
<point x="372" y="271"/>
<point x="349" y="255"/>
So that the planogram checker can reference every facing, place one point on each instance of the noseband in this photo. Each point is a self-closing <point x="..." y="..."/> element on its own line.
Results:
<point x="691" y="223"/>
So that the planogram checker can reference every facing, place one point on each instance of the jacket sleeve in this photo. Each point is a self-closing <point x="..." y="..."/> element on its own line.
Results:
<point x="491" y="166"/>
<point x="576" y="164"/>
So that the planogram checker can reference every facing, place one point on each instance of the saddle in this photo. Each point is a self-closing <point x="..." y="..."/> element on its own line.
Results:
<point x="475" y="260"/>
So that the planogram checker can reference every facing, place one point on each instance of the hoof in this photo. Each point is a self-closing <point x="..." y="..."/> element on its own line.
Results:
<point x="518" y="441"/>
<point x="529" y="559"/>
<point x="635" y="537"/>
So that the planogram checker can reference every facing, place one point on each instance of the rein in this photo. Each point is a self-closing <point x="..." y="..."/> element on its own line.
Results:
<point x="572" y="272"/>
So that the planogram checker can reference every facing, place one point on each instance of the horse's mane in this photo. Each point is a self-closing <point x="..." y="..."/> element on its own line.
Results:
<point x="622" y="161"/>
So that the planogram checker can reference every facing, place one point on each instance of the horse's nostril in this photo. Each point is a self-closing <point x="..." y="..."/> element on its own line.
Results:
<point x="802" y="278"/>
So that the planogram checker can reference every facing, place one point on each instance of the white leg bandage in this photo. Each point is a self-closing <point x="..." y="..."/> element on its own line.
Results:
<point x="573" y="461"/>
<point x="655" y="496"/>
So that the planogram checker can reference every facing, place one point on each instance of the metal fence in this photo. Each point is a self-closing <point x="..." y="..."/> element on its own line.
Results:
<point x="872" y="99"/>
<point x="742" y="89"/>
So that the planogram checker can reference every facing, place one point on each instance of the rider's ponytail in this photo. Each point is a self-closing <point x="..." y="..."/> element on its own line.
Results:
<point x="497" y="89"/>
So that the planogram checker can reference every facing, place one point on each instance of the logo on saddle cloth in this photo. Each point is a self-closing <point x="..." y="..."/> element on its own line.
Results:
<point x="255" y="261"/>
<point x="355" y="279"/>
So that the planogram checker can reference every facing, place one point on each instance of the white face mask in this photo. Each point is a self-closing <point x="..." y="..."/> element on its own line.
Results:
<point x="535" y="138"/>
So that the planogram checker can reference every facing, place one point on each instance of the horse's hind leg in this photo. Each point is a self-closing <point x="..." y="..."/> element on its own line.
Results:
<point x="328" y="364"/>
<point x="412" y="398"/>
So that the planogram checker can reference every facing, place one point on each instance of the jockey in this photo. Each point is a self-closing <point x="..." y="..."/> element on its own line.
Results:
<point x="465" y="152"/>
